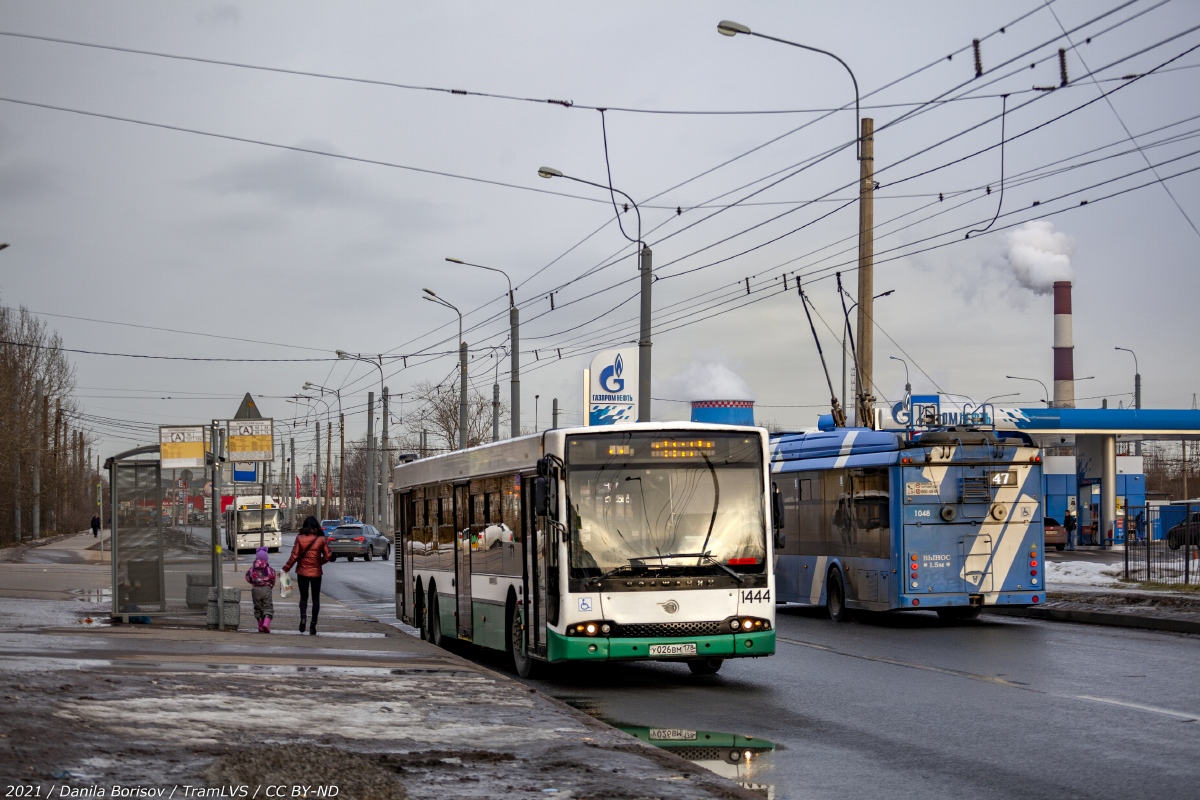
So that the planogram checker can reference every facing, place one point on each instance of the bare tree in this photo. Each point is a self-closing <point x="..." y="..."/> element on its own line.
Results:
<point x="436" y="411"/>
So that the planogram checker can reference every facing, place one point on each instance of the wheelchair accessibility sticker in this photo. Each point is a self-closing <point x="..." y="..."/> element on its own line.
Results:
<point x="585" y="604"/>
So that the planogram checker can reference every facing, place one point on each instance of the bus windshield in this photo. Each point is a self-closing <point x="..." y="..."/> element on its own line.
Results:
<point x="249" y="520"/>
<point x="678" y="501"/>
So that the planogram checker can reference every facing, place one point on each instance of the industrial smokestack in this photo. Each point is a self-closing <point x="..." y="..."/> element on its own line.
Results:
<point x="1064" y="347"/>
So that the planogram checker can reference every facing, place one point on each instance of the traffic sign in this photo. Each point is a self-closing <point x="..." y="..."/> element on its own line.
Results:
<point x="251" y="440"/>
<point x="245" y="473"/>
<point x="181" y="447"/>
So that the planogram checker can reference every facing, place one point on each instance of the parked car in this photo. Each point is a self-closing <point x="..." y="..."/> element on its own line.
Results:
<point x="1186" y="532"/>
<point x="358" y="540"/>
<point x="1056" y="534"/>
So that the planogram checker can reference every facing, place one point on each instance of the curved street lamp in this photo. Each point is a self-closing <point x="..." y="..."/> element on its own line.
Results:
<point x="647" y="278"/>
<point x="371" y="499"/>
<point x="308" y="386"/>
<point x="432" y="296"/>
<point x="514" y="326"/>
<point x="1045" y="392"/>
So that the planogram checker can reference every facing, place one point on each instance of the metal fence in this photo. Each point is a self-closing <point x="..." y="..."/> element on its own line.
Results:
<point x="1163" y="544"/>
<point x="161" y="557"/>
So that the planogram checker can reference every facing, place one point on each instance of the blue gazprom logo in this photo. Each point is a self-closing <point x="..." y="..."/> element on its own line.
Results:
<point x="610" y="377"/>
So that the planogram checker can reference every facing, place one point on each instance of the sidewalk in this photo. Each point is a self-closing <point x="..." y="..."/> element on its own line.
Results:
<point x="1084" y="586"/>
<point x="361" y="706"/>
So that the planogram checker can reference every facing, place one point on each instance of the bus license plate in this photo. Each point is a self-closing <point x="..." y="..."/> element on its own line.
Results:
<point x="672" y="735"/>
<point x="688" y="649"/>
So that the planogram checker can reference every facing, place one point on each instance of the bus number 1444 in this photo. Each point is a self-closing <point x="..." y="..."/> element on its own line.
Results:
<point x="756" y="596"/>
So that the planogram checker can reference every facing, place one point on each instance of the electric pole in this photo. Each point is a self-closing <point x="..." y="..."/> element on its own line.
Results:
<point x="368" y="494"/>
<point x="866" y="275"/>
<point x="342" y="467"/>
<point x="384" y="466"/>
<point x="38" y="436"/>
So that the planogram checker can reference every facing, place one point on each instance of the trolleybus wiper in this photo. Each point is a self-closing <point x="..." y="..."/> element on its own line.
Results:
<point x="640" y="563"/>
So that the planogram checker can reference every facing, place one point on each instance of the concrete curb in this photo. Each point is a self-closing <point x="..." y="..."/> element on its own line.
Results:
<point x="1104" y="618"/>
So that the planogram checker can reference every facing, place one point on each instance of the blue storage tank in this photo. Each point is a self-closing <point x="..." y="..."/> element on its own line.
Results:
<point x="723" y="412"/>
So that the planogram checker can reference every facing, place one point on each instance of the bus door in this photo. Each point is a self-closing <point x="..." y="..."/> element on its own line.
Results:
<point x="533" y="570"/>
<point x="404" y="578"/>
<point x="977" y="561"/>
<point x="462" y="560"/>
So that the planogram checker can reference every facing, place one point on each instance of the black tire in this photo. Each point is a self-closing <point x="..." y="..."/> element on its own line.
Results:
<point x="959" y="613"/>
<point x="1060" y="547"/>
<point x="419" y="619"/>
<point x="523" y="663"/>
<point x="1173" y="543"/>
<point x="349" y="558"/>
<point x="706" y="666"/>
<point x="387" y="552"/>
<point x="332" y="558"/>
<point x="835" y="597"/>
<point x="367" y="556"/>
<point x="435" y="621"/>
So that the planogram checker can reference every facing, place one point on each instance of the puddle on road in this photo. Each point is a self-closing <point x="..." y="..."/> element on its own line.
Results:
<point x="743" y="759"/>
<point x="92" y="595"/>
<point x="730" y="755"/>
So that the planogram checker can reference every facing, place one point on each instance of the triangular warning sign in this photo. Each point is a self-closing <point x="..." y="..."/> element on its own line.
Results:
<point x="248" y="409"/>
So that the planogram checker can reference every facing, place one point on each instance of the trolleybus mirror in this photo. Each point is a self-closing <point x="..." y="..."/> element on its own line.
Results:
<point x="776" y="507"/>
<point x="541" y="495"/>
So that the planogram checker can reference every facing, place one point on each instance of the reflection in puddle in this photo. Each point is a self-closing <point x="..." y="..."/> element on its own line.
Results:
<point x="730" y="755"/>
<point x="93" y="595"/>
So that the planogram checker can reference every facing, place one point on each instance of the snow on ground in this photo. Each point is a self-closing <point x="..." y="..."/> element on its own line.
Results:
<point x="1081" y="573"/>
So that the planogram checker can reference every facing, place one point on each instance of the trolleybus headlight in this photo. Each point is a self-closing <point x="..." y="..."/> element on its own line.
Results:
<point x="590" y="628"/>
<point x="605" y="628"/>
<point x="735" y="624"/>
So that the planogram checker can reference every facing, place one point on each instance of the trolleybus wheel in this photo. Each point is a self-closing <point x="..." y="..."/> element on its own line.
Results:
<point x="959" y="613"/>
<point x="706" y="666"/>
<point x="835" y="597"/>
<point x="435" y="620"/>
<point x="419" y="619"/>
<point x="523" y="664"/>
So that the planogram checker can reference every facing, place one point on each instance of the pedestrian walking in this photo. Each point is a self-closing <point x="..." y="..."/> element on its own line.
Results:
<point x="1069" y="524"/>
<point x="261" y="577"/>
<point x="95" y="525"/>
<point x="309" y="553"/>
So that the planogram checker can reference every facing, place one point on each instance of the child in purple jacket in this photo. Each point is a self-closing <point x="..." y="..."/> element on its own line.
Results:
<point x="262" y="578"/>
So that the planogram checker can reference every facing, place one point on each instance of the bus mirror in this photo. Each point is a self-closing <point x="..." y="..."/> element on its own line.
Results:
<point x="543" y="467"/>
<point x="541" y="495"/>
<point x="780" y="539"/>
<point x="776" y="507"/>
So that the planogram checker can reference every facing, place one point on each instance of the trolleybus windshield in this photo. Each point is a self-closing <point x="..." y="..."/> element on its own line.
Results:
<point x="249" y="520"/>
<point x="686" y="503"/>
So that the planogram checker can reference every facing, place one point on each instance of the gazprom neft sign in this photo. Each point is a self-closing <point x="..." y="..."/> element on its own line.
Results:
<point x="612" y="390"/>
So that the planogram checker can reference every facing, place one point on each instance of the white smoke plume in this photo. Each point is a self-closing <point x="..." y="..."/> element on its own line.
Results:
<point x="1038" y="255"/>
<point x="708" y="380"/>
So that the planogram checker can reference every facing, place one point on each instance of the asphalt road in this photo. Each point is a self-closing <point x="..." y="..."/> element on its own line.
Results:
<point x="907" y="706"/>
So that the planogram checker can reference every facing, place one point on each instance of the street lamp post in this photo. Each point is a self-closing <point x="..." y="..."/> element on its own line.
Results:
<point x="462" y="368"/>
<point x="865" y="154"/>
<point x="1045" y="392"/>
<point x="647" y="279"/>
<point x="370" y="488"/>
<point x="514" y="325"/>
<point x="342" y="443"/>
<point x="1137" y="392"/>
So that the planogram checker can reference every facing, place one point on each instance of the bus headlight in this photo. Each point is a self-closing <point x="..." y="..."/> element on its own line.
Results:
<point x="590" y="628"/>
<point x="749" y="624"/>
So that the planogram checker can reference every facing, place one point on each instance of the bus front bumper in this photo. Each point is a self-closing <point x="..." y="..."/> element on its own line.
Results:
<point x="599" y="648"/>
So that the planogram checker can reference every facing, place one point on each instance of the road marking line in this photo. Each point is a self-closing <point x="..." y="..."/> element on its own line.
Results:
<point x="910" y="665"/>
<point x="1140" y="707"/>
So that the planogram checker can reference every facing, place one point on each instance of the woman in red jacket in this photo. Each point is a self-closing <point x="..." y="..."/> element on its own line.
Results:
<point x="308" y="554"/>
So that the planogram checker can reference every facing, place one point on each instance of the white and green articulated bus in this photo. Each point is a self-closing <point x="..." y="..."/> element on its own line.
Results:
<point x="625" y="542"/>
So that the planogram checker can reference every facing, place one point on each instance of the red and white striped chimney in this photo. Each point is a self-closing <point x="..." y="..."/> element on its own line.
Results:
<point x="1064" y="347"/>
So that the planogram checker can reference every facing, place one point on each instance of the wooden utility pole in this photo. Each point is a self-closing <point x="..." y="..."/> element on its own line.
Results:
<point x="866" y="276"/>
<point x="38" y="437"/>
<point x="328" y="469"/>
<point x="16" y="460"/>
<point x="56" y="509"/>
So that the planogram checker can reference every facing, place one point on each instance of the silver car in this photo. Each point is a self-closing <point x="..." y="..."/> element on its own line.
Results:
<point x="358" y="539"/>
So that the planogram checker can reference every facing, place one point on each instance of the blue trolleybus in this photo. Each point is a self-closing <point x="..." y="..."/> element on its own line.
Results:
<point x="950" y="521"/>
<point x="621" y="542"/>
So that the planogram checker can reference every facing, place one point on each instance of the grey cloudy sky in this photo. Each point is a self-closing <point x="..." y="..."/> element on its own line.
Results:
<point x="121" y="222"/>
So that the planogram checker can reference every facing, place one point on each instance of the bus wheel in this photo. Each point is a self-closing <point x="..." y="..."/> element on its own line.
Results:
<point x="835" y="597"/>
<point x="419" y="620"/>
<point x="706" y="666"/>
<point x="959" y="613"/>
<point x="523" y="665"/>
<point x="435" y="620"/>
